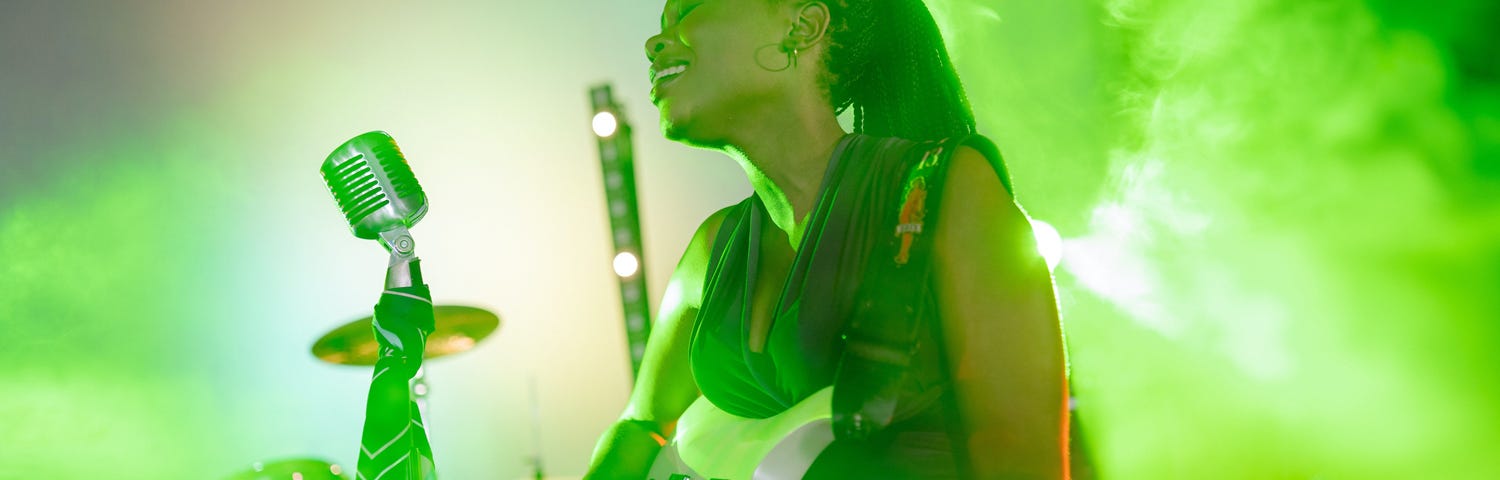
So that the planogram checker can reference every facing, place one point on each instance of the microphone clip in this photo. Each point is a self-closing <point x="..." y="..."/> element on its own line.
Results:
<point x="402" y="271"/>
<point x="398" y="241"/>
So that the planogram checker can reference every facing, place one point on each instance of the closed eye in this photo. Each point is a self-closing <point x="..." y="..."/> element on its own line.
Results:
<point x="684" y="11"/>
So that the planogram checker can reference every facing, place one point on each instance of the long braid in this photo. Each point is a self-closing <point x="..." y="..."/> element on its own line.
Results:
<point x="847" y="64"/>
<point x="887" y="60"/>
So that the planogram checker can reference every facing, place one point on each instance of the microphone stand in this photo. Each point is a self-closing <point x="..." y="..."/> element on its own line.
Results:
<point x="405" y="270"/>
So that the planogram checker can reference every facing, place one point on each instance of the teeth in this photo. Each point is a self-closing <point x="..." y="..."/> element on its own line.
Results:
<point x="670" y="71"/>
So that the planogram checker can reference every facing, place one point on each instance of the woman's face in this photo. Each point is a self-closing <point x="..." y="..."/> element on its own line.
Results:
<point x="703" y="65"/>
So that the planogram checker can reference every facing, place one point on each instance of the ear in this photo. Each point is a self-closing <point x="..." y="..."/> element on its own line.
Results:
<point x="809" y="26"/>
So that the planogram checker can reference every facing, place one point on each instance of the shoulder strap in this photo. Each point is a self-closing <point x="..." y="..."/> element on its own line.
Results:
<point x="881" y="337"/>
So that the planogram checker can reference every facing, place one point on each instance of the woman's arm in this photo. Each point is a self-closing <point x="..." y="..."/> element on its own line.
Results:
<point x="1001" y="326"/>
<point x="664" y="388"/>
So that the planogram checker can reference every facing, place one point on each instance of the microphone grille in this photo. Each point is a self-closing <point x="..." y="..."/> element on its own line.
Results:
<point x="355" y="188"/>
<point x="373" y="185"/>
<point x="394" y="163"/>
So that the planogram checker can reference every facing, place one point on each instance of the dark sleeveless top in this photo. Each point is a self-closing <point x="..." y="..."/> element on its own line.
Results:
<point x="858" y="200"/>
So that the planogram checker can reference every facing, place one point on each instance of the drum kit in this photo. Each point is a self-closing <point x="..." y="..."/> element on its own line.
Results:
<point x="458" y="329"/>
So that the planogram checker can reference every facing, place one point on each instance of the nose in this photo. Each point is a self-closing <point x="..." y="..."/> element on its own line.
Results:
<point x="655" y="45"/>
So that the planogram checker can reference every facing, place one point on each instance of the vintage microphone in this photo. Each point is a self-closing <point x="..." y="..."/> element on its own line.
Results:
<point x="380" y="198"/>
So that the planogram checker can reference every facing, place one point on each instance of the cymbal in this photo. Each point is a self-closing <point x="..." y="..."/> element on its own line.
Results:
<point x="458" y="329"/>
<point x="302" y="468"/>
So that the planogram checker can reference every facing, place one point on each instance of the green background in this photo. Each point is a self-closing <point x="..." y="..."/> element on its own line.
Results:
<point x="1280" y="222"/>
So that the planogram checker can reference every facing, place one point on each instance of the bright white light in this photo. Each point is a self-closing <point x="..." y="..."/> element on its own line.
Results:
<point x="626" y="264"/>
<point x="1048" y="242"/>
<point x="604" y="124"/>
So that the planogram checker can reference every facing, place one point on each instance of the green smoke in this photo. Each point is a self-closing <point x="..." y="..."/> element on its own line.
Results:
<point x="1289" y="269"/>
<point x="107" y="311"/>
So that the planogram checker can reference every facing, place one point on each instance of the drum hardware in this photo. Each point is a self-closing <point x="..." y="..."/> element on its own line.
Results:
<point x="457" y="329"/>
<point x="292" y="469"/>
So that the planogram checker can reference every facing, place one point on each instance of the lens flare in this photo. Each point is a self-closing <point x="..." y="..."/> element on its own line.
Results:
<point x="1048" y="242"/>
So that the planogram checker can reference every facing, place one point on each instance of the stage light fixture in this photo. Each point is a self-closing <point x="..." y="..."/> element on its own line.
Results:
<point x="617" y="166"/>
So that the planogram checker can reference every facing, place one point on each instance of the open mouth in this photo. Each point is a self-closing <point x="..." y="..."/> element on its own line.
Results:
<point x="667" y="73"/>
<point x="662" y="78"/>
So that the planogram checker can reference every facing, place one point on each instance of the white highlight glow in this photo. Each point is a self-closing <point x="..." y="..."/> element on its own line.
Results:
<point x="626" y="264"/>
<point x="1048" y="242"/>
<point x="605" y="124"/>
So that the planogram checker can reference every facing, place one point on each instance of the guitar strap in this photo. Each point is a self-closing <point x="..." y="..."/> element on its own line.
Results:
<point x="882" y="336"/>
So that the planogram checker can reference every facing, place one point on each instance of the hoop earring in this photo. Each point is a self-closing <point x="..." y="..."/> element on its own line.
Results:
<point x="791" y="57"/>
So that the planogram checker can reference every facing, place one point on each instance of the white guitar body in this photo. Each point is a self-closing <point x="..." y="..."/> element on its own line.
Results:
<point x="712" y="444"/>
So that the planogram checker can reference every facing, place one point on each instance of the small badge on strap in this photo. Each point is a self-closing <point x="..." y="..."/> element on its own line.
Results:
<point x="914" y="204"/>
<point x="912" y="211"/>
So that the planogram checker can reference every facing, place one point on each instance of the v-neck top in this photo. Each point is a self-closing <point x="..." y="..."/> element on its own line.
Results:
<point x="745" y="382"/>
<point x="855" y="205"/>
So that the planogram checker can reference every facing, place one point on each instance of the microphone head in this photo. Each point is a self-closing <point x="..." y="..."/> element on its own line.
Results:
<point x="373" y="185"/>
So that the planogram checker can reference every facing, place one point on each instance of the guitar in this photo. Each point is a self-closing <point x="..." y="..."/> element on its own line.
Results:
<point x="710" y="443"/>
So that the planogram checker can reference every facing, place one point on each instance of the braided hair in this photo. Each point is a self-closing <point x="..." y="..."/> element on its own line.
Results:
<point x="886" y="59"/>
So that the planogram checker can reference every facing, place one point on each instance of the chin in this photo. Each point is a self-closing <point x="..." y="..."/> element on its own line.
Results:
<point x="680" y="128"/>
<point x="672" y="129"/>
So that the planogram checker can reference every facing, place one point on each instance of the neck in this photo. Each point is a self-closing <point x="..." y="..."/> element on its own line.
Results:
<point x="785" y="155"/>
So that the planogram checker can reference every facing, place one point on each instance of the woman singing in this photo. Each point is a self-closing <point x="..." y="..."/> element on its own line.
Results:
<point x="757" y="316"/>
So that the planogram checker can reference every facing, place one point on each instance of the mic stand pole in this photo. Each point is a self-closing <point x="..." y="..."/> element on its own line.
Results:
<point x="403" y="285"/>
<point x="405" y="270"/>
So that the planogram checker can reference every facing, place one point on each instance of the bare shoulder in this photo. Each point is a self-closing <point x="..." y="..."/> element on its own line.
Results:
<point x="693" y="266"/>
<point x="703" y="239"/>
<point x="976" y="204"/>
<point x="983" y="248"/>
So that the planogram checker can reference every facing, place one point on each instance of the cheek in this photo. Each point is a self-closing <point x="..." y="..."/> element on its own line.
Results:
<point x="725" y="66"/>
<point x="724" y="42"/>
